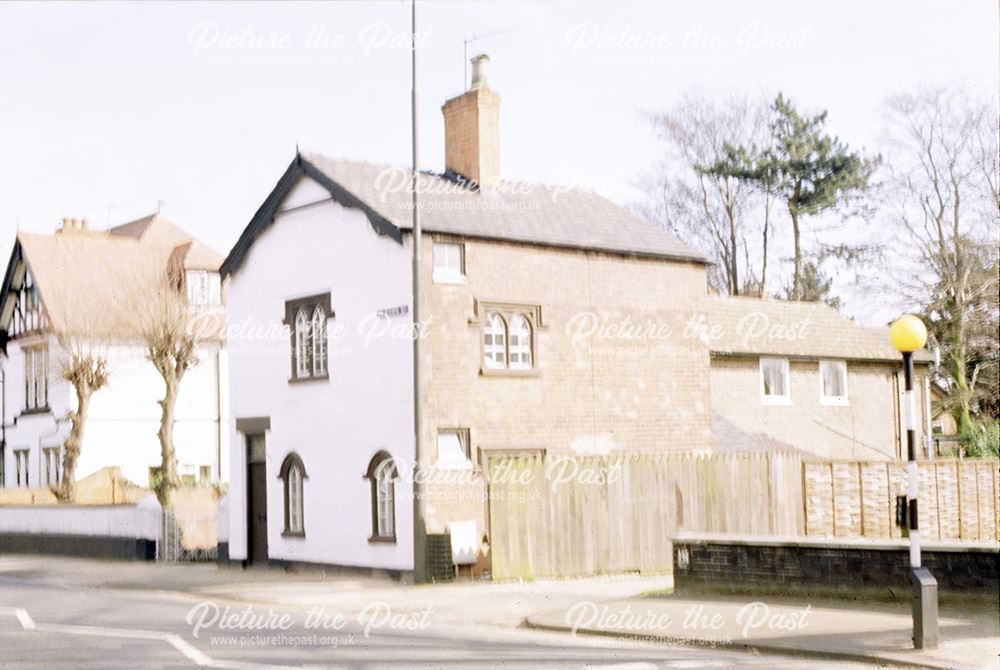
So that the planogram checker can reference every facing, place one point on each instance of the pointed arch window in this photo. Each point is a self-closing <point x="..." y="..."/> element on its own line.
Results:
<point x="318" y="329"/>
<point x="303" y="344"/>
<point x="520" y="343"/>
<point x="307" y="318"/>
<point x="509" y="338"/>
<point x="495" y="342"/>
<point x="293" y="474"/>
<point x="382" y="475"/>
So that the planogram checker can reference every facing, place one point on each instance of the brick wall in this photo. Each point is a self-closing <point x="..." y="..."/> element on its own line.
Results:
<point x="594" y="392"/>
<point x="864" y="429"/>
<point x="847" y="567"/>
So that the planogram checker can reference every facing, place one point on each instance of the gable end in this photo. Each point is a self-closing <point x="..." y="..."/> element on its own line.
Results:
<point x="264" y="216"/>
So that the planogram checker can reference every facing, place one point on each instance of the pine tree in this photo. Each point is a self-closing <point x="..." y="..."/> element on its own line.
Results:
<point x="804" y="167"/>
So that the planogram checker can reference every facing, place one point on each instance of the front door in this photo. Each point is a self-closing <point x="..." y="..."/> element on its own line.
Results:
<point x="256" y="500"/>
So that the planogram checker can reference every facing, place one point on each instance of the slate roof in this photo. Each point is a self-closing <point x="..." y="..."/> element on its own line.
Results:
<point x="728" y="438"/>
<point x="511" y="211"/>
<point x="795" y="329"/>
<point x="87" y="279"/>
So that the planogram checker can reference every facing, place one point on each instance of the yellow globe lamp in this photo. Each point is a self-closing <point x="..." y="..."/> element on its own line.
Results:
<point x="908" y="333"/>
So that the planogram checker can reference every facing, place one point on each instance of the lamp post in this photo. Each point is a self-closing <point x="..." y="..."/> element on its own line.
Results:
<point x="908" y="334"/>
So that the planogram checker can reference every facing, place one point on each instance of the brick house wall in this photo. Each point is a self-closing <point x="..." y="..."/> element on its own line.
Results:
<point x="591" y="392"/>
<point x="865" y="429"/>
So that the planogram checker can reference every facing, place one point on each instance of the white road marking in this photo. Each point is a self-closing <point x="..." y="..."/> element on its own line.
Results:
<point x="192" y="653"/>
<point x="623" y="666"/>
<point x="22" y="616"/>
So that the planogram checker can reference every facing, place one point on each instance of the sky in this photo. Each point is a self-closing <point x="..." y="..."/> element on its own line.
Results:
<point x="109" y="110"/>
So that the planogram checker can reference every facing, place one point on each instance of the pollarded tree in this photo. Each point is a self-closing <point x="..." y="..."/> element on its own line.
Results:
<point x="171" y="339"/>
<point x="86" y="369"/>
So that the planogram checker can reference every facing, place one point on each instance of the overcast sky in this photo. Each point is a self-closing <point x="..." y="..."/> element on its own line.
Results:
<point x="106" y="108"/>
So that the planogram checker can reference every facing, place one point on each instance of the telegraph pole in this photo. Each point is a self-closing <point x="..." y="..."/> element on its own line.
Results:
<point x="419" y="527"/>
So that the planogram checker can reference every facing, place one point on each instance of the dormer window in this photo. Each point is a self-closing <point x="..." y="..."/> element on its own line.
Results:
<point x="204" y="288"/>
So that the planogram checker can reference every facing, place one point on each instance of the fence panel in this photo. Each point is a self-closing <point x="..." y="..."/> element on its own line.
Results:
<point x="958" y="498"/>
<point x="583" y="515"/>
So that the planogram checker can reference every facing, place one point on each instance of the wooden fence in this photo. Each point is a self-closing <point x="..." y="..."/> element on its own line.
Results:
<point x="959" y="499"/>
<point x="566" y="516"/>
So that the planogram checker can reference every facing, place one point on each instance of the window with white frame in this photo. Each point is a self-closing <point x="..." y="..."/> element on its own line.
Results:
<point x="449" y="262"/>
<point x="204" y="288"/>
<point x="453" y="449"/>
<point x="833" y="382"/>
<point x="292" y="473"/>
<point x="36" y="385"/>
<point x="303" y="345"/>
<point x="508" y="337"/>
<point x="775" y="388"/>
<point x="495" y="342"/>
<point x="21" y="467"/>
<point x="50" y="466"/>
<point x="382" y="474"/>
<point x="307" y="318"/>
<point x="318" y="342"/>
<point x="520" y="343"/>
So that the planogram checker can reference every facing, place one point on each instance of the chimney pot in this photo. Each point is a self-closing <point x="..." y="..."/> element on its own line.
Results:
<point x="480" y="78"/>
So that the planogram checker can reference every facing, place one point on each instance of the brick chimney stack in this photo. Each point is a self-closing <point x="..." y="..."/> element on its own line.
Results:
<point x="472" y="129"/>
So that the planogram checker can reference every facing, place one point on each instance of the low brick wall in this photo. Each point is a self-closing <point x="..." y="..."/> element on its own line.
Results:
<point x="797" y="565"/>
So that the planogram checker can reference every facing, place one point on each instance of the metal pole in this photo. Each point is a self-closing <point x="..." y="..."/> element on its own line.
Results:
<point x="419" y="529"/>
<point x="911" y="456"/>
<point x="925" y="600"/>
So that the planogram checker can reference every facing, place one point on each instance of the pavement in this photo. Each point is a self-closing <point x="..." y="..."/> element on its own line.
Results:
<point x="628" y="622"/>
<point x="874" y="632"/>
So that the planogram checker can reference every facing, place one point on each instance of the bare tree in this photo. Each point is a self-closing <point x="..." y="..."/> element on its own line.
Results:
<point x="944" y="170"/>
<point x="82" y="316"/>
<point x="86" y="369"/>
<point x="171" y="331"/>
<point x="728" y="218"/>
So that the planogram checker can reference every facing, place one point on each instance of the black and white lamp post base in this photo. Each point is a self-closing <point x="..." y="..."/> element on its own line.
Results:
<point x="909" y="334"/>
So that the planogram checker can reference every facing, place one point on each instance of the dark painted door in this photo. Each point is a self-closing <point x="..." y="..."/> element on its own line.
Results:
<point x="256" y="500"/>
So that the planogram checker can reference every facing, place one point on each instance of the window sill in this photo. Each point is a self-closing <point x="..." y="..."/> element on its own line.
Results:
<point x="293" y="533"/>
<point x="449" y="279"/>
<point x="36" y="410"/>
<point x="834" y="402"/>
<point x="508" y="372"/>
<point x="776" y="401"/>
<point x="306" y="380"/>
<point x="382" y="539"/>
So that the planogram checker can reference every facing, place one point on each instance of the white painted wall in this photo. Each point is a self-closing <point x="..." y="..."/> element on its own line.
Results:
<point x="123" y="420"/>
<point x="139" y="521"/>
<point x="335" y="426"/>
